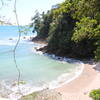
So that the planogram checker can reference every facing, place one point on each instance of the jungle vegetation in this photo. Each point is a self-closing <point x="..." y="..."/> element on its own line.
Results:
<point x="71" y="29"/>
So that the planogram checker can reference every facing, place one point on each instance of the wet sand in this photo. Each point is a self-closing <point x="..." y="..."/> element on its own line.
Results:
<point x="80" y="88"/>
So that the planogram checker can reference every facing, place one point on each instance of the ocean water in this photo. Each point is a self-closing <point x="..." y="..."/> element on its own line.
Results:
<point x="37" y="70"/>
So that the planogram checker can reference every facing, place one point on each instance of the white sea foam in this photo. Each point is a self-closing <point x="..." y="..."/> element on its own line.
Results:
<point x="66" y="78"/>
<point x="36" y="47"/>
<point x="14" y="92"/>
<point x="11" y="41"/>
<point x="5" y="42"/>
<point x="24" y="90"/>
<point x="29" y="88"/>
<point x="61" y="80"/>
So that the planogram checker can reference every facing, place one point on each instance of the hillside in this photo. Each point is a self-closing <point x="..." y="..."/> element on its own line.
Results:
<point x="72" y="29"/>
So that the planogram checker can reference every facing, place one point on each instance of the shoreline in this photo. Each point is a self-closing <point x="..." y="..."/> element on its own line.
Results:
<point x="77" y="74"/>
<point x="88" y="70"/>
<point x="62" y="60"/>
<point x="63" y="89"/>
<point x="80" y="88"/>
<point x="77" y="89"/>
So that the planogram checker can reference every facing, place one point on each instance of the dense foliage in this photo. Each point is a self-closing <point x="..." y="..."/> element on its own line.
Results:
<point x="95" y="94"/>
<point x="42" y="23"/>
<point x="72" y="28"/>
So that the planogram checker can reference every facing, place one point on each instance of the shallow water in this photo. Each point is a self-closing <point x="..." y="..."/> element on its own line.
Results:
<point x="37" y="70"/>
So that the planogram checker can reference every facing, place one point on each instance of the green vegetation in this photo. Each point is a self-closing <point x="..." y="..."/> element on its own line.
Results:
<point x="43" y="95"/>
<point x="30" y="96"/>
<point x="42" y="23"/>
<point x="95" y="94"/>
<point x="71" y="28"/>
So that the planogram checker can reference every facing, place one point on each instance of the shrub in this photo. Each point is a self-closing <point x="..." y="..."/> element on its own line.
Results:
<point x="95" y="94"/>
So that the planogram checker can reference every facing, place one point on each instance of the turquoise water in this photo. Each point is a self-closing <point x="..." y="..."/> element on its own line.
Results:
<point x="35" y="68"/>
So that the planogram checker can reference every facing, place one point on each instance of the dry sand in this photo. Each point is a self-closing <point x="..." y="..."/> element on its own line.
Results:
<point x="4" y="99"/>
<point x="79" y="88"/>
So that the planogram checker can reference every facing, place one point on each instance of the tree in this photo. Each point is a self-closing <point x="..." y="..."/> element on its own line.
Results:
<point x="41" y="23"/>
<point x="84" y="29"/>
<point x="73" y="26"/>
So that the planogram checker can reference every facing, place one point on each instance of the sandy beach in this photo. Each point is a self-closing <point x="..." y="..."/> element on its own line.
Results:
<point x="4" y="98"/>
<point x="79" y="88"/>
